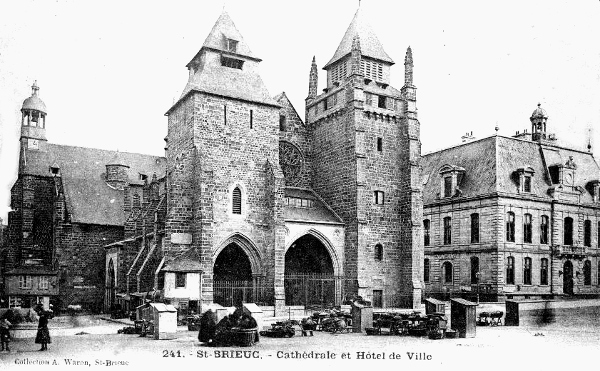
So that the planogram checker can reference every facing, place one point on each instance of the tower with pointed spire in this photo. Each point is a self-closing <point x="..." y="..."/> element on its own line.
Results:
<point x="366" y="152"/>
<point x="225" y="182"/>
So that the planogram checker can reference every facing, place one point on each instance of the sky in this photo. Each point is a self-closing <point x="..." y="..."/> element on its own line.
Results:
<point x="109" y="70"/>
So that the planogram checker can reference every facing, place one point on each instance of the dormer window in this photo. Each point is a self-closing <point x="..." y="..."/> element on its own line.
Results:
<point x="231" y="45"/>
<point x="525" y="174"/>
<point x="143" y="177"/>
<point x="594" y="188"/>
<point x="451" y="178"/>
<point x="448" y="186"/>
<point x="55" y="170"/>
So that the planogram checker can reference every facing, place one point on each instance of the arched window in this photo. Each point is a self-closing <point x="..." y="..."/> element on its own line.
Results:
<point x="426" y="268"/>
<point x="587" y="233"/>
<point x="378" y="252"/>
<point x="447" y="268"/>
<point x="475" y="228"/>
<point x="510" y="226"/>
<point x="527" y="228"/>
<point x="447" y="230"/>
<point x="568" y="231"/>
<point x="510" y="270"/>
<point x="544" y="272"/>
<point x="474" y="270"/>
<point x="587" y="273"/>
<point x="236" y="201"/>
<point x="544" y="230"/>
<point x="527" y="271"/>
<point x="426" y="232"/>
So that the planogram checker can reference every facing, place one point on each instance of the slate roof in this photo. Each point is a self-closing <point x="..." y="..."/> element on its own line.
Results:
<point x="369" y="43"/>
<point x="189" y="261"/>
<point x="213" y="78"/>
<point x="490" y="165"/>
<point x="89" y="199"/>
<point x="319" y="212"/>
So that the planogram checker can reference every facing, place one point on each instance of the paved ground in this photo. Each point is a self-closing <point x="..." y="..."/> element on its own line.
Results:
<point x="564" y="343"/>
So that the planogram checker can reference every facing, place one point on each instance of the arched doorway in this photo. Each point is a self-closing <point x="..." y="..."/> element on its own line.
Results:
<point x="309" y="274"/>
<point x="232" y="277"/>
<point x="568" y="278"/>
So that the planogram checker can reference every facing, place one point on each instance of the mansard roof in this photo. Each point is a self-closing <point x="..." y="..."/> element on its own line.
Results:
<point x="369" y="43"/>
<point x="90" y="200"/>
<point x="491" y="165"/>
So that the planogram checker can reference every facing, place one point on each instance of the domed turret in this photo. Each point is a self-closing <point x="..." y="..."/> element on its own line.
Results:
<point x="538" y="123"/>
<point x="34" y="102"/>
<point x="33" y="119"/>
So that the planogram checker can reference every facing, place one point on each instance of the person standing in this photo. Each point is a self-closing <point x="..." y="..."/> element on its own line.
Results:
<point x="43" y="334"/>
<point x="4" y="333"/>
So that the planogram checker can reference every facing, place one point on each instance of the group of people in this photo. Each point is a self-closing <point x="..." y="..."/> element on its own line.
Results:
<point x="43" y="334"/>
<point x="221" y="333"/>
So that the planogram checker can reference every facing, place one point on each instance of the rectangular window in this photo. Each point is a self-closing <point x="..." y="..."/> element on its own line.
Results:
<point x="448" y="186"/>
<point x="544" y="230"/>
<point x="527" y="229"/>
<point x="325" y="104"/>
<point x="426" y="232"/>
<point x="379" y="197"/>
<point x="380" y="144"/>
<point x="377" y="298"/>
<point x="544" y="272"/>
<point x="426" y="269"/>
<point x="510" y="271"/>
<point x="587" y="233"/>
<point x="368" y="99"/>
<point x="474" y="228"/>
<point x="180" y="279"/>
<point x="251" y="119"/>
<point x="232" y="63"/>
<point x="568" y="231"/>
<point x="24" y="282"/>
<point x="527" y="271"/>
<point x="14" y="302"/>
<point x="381" y="102"/>
<point x="281" y="122"/>
<point x="44" y="283"/>
<point x="447" y="230"/>
<point x="231" y="45"/>
<point x="510" y="226"/>
<point x="527" y="184"/>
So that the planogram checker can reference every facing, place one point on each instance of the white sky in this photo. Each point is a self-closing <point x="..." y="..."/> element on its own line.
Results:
<point x="109" y="70"/>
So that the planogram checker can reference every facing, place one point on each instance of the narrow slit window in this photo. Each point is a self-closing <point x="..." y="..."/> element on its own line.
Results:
<point x="237" y="201"/>
<point x="380" y="144"/>
<point x="251" y="119"/>
<point x="225" y="114"/>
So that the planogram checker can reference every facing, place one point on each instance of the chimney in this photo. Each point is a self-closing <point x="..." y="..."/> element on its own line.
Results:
<point x="468" y="137"/>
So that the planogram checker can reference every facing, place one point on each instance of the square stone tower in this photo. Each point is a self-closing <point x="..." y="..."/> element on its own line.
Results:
<point x="366" y="166"/>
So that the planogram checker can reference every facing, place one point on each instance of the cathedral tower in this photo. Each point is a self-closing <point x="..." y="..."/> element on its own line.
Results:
<point x="225" y="185"/>
<point x="366" y="166"/>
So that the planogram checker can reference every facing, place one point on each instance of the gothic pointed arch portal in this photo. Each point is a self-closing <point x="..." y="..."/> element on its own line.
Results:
<point x="310" y="273"/>
<point x="236" y="272"/>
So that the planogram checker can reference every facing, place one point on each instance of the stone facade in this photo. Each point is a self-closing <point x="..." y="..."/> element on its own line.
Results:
<point x="517" y="248"/>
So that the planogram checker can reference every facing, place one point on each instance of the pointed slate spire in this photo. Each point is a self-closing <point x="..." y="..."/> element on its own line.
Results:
<point x="313" y="80"/>
<point x="370" y="45"/>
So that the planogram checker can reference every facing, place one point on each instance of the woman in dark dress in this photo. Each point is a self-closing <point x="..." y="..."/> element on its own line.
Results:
<point x="208" y="325"/>
<point x="43" y="334"/>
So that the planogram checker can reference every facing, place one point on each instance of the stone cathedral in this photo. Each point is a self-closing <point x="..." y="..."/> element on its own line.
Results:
<point x="254" y="203"/>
